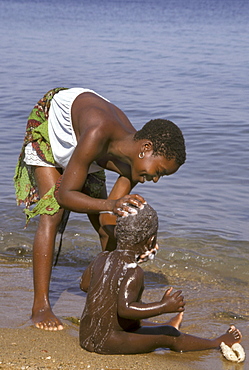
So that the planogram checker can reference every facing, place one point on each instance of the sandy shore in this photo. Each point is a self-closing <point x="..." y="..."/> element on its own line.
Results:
<point x="34" y="349"/>
<point x="22" y="346"/>
<point x="31" y="348"/>
<point x="26" y="347"/>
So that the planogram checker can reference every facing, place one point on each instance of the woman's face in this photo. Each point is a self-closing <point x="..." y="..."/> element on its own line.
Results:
<point x="151" y="168"/>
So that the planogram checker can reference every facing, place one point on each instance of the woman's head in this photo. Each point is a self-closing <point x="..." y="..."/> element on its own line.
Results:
<point x="166" y="137"/>
<point x="134" y="231"/>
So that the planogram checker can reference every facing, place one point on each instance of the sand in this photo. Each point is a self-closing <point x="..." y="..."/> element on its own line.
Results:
<point x="26" y="347"/>
<point x="32" y="348"/>
<point x="22" y="346"/>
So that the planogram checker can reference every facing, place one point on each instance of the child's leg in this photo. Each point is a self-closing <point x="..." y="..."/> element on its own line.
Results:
<point x="175" y="321"/>
<point x="188" y="342"/>
<point x="131" y="343"/>
<point x="43" y="249"/>
<point x="171" y="327"/>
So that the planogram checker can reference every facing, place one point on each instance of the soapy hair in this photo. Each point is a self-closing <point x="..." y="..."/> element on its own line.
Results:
<point x="135" y="228"/>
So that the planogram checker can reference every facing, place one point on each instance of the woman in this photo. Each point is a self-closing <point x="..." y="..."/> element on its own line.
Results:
<point x="78" y="133"/>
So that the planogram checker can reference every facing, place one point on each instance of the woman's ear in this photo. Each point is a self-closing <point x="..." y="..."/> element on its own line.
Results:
<point x="146" y="146"/>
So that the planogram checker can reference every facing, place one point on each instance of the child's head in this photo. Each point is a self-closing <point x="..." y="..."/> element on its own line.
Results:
<point x="166" y="137"/>
<point x="135" y="230"/>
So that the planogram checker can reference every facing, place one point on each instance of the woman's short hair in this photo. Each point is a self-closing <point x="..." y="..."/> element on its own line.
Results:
<point x="166" y="137"/>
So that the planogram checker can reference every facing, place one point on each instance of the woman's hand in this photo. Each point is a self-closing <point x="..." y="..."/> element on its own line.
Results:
<point x="124" y="205"/>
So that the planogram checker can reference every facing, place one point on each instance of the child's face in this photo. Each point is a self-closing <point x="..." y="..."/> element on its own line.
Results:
<point x="150" y="249"/>
<point x="147" y="249"/>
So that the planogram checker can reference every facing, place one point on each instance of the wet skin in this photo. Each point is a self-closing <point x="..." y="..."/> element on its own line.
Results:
<point x="114" y="318"/>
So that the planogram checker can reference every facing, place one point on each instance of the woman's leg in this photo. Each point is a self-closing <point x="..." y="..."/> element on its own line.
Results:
<point x="43" y="250"/>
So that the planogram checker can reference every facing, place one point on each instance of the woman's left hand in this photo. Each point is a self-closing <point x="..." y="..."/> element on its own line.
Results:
<point x="126" y="205"/>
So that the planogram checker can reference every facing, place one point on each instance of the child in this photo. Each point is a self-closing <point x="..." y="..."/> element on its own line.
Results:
<point x="113" y="319"/>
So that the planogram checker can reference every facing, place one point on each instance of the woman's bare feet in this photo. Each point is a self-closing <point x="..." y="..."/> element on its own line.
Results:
<point x="176" y="321"/>
<point x="46" y="320"/>
<point x="233" y="335"/>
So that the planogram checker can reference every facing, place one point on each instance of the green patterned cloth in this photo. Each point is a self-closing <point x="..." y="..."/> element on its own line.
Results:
<point x="24" y="180"/>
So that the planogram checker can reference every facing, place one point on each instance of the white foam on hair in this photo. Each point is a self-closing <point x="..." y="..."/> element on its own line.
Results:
<point x="132" y="211"/>
<point x="132" y="265"/>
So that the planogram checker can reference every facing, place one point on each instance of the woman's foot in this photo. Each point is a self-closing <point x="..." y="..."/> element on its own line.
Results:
<point x="46" y="320"/>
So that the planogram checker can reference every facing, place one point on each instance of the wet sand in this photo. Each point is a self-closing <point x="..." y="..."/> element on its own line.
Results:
<point x="22" y="346"/>
<point x="31" y="348"/>
<point x="27" y="347"/>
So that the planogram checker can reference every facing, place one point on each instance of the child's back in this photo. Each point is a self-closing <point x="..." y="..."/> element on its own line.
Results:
<point x="100" y="316"/>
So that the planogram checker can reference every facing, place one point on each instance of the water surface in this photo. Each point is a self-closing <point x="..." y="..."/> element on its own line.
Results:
<point x="185" y="61"/>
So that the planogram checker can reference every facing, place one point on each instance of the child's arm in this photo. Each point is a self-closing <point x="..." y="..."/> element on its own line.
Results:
<point x="130" y="306"/>
<point x="86" y="278"/>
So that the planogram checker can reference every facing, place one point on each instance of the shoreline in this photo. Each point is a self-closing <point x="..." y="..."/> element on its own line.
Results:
<point x="31" y="348"/>
<point x="25" y="347"/>
<point x="35" y="349"/>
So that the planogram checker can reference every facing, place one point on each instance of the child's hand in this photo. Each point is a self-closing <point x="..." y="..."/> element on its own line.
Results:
<point x="174" y="302"/>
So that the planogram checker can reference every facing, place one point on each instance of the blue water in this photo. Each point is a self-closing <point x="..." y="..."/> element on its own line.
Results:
<point x="187" y="61"/>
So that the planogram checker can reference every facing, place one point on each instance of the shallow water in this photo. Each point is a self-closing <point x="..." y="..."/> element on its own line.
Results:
<point x="185" y="61"/>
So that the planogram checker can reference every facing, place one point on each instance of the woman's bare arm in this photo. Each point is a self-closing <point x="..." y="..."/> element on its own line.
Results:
<point x="90" y="147"/>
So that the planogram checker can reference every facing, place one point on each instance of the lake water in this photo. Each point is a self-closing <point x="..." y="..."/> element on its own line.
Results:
<point x="187" y="61"/>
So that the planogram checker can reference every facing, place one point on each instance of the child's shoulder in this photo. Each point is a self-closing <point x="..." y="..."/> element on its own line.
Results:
<point x="135" y="270"/>
<point x="100" y="258"/>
